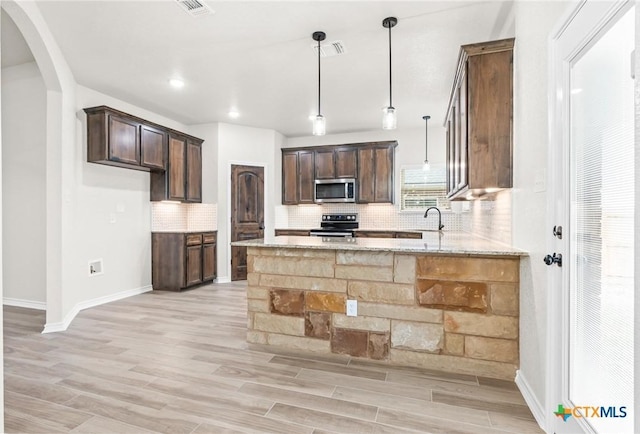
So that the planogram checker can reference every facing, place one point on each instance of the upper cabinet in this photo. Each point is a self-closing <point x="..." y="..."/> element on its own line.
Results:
<point x="479" y="121"/>
<point x="297" y="176"/>
<point x="174" y="158"/>
<point x="182" y="181"/>
<point x="335" y="163"/>
<point x="370" y="164"/>
<point x="375" y="173"/>
<point x="118" y="139"/>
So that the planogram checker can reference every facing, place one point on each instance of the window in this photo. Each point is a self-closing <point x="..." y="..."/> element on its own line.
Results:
<point x="420" y="189"/>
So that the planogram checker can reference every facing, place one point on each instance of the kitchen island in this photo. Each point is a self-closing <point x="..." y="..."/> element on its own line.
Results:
<point x="449" y="301"/>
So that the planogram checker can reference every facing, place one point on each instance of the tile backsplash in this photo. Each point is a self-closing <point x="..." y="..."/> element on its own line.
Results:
<point x="178" y="217"/>
<point x="373" y="216"/>
<point x="489" y="218"/>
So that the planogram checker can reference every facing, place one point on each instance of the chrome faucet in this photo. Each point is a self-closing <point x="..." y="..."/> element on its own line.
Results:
<point x="440" y="225"/>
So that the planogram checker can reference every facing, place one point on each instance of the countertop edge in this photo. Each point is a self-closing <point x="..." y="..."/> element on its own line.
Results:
<point x="402" y="246"/>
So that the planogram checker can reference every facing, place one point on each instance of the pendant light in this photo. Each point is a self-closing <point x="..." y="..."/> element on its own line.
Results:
<point x="318" y="121"/>
<point x="389" y="120"/>
<point x="426" y="143"/>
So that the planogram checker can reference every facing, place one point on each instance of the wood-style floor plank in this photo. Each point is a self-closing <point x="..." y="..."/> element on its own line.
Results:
<point x="167" y="362"/>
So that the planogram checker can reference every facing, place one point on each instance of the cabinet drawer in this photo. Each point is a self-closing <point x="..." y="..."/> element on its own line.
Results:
<point x="194" y="239"/>
<point x="208" y="238"/>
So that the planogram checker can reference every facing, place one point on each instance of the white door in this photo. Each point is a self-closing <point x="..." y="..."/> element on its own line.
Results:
<point x="592" y="200"/>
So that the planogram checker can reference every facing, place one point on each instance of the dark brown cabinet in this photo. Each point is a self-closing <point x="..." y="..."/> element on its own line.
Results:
<point x="297" y="177"/>
<point x="479" y="140"/>
<point x="181" y="260"/>
<point x="117" y="139"/>
<point x="173" y="158"/>
<point x="335" y="163"/>
<point x="375" y="174"/>
<point x="388" y="234"/>
<point x="182" y="181"/>
<point x="292" y="232"/>
<point x="371" y="164"/>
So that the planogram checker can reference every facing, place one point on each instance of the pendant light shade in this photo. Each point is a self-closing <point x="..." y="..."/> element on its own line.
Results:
<point x="319" y="127"/>
<point x="426" y="143"/>
<point x="389" y="120"/>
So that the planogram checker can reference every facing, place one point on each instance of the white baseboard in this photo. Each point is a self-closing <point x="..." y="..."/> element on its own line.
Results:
<point x="530" y="398"/>
<point x="223" y="280"/>
<point x="64" y="324"/>
<point x="17" y="302"/>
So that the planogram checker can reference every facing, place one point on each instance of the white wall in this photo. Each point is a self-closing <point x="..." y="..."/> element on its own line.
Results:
<point x="534" y="22"/>
<point x="253" y="147"/>
<point x="23" y="180"/>
<point x="110" y="212"/>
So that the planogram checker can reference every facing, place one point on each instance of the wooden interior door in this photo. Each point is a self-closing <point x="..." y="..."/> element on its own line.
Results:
<point x="247" y="213"/>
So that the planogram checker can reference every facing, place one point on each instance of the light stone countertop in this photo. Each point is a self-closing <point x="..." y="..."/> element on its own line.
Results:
<point x="452" y="243"/>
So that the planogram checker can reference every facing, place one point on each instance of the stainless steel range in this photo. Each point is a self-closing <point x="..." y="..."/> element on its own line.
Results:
<point x="336" y="225"/>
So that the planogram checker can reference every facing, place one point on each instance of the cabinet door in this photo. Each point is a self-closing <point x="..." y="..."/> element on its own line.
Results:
<point x="290" y="178"/>
<point x="177" y="181"/>
<point x="305" y="177"/>
<point x="325" y="164"/>
<point x="208" y="262"/>
<point x="374" y="234"/>
<point x="346" y="163"/>
<point x="124" y="142"/>
<point x="383" y="175"/>
<point x="194" y="172"/>
<point x="153" y="143"/>
<point x="194" y="265"/>
<point x="464" y="150"/>
<point x="366" y="175"/>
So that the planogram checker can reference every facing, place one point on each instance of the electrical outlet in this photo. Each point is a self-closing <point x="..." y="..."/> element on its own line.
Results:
<point x="352" y="307"/>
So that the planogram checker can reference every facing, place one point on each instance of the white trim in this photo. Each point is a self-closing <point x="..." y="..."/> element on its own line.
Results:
<point x="64" y="324"/>
<point x="530" y="398"/>
<point x="29" y="304"/>
<point x="225" y="279"/>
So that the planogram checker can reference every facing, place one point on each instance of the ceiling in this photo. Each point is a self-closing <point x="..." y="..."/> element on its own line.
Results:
<point x="258" y="58"/>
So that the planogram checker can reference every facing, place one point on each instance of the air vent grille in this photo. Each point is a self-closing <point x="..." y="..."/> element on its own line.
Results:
<point x="195" y="8"/>
<point x="335" y="48"/>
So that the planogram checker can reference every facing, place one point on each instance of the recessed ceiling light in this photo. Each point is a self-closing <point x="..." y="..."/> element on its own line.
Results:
<point x="576" y="91"/>
<point x="176" y="82"/>
<point x="233" y="114"/>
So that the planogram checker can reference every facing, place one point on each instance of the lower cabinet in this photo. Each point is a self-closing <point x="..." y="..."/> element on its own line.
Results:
<point x="181" y="260"/>
<point x="388" y="234"/>
<point x="292" y="232"/>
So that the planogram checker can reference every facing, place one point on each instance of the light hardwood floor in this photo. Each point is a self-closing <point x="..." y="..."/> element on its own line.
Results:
<point x="178" y="363"/>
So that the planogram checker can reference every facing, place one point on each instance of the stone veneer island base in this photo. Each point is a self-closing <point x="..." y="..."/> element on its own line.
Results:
<point x="417" y="306"/>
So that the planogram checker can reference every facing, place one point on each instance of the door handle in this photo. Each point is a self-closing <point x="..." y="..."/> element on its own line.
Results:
<point x="555" y="259"/>
<point x="261" y="226"/>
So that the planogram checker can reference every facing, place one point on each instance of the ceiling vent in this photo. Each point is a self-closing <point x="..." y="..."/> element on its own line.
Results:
<point x="195" y="8"/>
<point x="335" y="48"/>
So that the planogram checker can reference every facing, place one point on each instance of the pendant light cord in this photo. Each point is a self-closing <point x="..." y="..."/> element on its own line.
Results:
<point x="319" y="77"/>
<point x="426" y="137"/>
<point x="390" y="87"/>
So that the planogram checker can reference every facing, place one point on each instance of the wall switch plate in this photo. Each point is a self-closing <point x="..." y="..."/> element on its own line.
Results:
<point x="352" y="307"/>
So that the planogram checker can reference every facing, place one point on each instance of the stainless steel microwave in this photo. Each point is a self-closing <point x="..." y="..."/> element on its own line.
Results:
<point x="335" y="190"/>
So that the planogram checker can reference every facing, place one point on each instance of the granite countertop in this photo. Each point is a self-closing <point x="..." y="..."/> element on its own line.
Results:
<point x="454" y="243"/>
